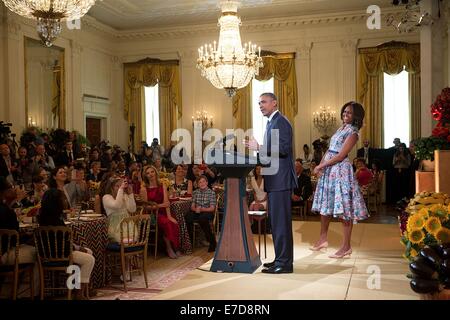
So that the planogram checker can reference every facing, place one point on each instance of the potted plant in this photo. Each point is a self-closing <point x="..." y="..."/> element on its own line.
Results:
<point x="424" y="149"/>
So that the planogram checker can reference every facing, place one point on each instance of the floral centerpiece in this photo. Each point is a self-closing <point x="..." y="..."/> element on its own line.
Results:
<point x="32" y="211"/>
<point x="427" y="243"/>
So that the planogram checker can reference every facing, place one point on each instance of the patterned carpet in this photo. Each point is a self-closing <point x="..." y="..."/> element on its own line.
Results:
<point x="161" y="274"/>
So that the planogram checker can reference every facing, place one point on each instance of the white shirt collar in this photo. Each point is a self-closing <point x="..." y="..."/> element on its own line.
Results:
<point x="273" y="114"/>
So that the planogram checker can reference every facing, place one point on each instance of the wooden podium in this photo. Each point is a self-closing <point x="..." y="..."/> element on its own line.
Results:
<point x="236" y="250"/>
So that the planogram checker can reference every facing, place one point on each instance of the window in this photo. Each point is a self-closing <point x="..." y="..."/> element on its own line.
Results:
<point x="397" y="118"/>
<point x="152" y="113"/>
<point x="259" y="122"/>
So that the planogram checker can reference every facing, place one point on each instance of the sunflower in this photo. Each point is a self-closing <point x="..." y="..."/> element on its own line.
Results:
<point x="439" y="210"/>
<point x="413" y="253"/>
<point x="443" y="235"/>
<point x="433" y="224"/>
<point x="415" y="221"/>
<point x="424" y="212"/>
<point x="416" y="236"/>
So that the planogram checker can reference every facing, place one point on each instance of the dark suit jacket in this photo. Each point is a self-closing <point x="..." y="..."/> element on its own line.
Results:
<point x="285" y="178"/>
<point x="360" y="154"/>
<point x="4" y="172"/>
<point x="63" y="158"/>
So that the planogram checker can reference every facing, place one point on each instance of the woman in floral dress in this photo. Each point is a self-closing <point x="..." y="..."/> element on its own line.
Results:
<point x="337" y="193"/>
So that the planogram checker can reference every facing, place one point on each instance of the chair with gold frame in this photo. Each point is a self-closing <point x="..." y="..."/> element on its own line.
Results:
<point x="54" y="247"/>
<point x="10" y="238"/>
<point x="134" y="233"/>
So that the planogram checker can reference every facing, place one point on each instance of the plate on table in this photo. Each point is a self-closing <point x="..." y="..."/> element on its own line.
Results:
<point x="185" y="198"/>
<point x="91" y="215"/>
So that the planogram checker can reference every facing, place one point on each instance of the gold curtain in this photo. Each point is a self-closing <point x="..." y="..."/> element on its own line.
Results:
<point x="147" y="73"/>
<point x="414" y="105"/>
<point x="392" y="58"/>
<point x="282" y="68"/>
<point x="58" y="92"/>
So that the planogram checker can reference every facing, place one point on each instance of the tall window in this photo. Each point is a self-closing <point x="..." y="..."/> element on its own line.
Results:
<point x="259" y="122"/>
<point x="397" y="118"/>
<point x="152" y="113"/>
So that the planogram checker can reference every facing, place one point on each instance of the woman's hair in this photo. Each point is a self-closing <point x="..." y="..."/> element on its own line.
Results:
<point x="52" y="207"/>
<point x="146" y="179"/>
<point x="358" y="113"/>
<point x="52" y="180"/>
<point x="255" y="174"/>
<point x="377" y="163"/>
<point x="110" y="182"/>
<point x="4" y="184"/>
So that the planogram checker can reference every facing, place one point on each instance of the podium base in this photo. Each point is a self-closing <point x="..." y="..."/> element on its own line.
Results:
<point x="236" y="266"/>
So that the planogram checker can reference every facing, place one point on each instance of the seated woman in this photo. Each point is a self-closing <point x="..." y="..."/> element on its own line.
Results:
<point x="52" y="214"/>
<point x="117" y="201"/>
<point x="181" y="185"/>
<point x="260" y="196"/>
<point x="8" y="221"/>
<point x="154" y="191"/>
<point x="75" y="191"/>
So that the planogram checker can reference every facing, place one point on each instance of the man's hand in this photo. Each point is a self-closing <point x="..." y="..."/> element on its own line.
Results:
<point x="296" y="198"/>
<point x="252" y="144"/>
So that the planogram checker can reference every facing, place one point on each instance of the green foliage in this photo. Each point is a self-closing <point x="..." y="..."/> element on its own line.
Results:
<point x="424" y="147"/>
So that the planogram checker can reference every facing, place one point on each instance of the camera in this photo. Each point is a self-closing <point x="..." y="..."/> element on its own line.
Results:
<point x="5" y="131"/>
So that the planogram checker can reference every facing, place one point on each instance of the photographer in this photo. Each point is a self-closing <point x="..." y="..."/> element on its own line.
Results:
<point x="7" y="165"/>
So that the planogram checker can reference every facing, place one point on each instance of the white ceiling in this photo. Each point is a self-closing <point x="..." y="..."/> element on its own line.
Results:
<point x="146" y="14"/>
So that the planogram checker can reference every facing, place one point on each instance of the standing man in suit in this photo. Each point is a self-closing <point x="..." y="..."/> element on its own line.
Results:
<point x="68" y="156"/>
<point x="279" y="185"/>
<point x="366" y="153"/>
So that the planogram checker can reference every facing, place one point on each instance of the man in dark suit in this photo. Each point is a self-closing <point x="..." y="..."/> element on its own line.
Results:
<point x="68" y="156"/>
<point x="279" y="183"/>
<point x="366" y="153"/>
<point x="304" y="189"/>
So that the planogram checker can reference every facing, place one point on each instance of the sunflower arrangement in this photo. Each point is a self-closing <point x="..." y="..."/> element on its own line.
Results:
<point x="428" y="226"/>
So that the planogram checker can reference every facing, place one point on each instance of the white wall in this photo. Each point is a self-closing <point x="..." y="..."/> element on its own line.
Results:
<point x="91" y="67"/>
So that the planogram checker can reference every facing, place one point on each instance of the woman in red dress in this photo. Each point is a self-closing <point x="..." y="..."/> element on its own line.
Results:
<point x="155" y="191"/>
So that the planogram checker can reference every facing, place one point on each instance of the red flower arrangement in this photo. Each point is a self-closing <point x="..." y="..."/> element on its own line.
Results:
<point x="440" y="111"/>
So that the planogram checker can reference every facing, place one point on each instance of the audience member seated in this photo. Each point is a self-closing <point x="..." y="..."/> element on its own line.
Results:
<point x="95" y="173"/>
<point x="378" y="175"/>
<point x="203" y="208"/>
<point x="260" y="196"/>
<point x="52" y="214"/>
<point x="41" y="159"/>
<point x="24" y="167"/>
<point x="181" y="185"/>
<point x="6" y="163"/>
<point x="155" y="191"/>
<point x="363" y="174"/>
<point x="304" y="190"/>
<point x="8" y="221"/>
<point x="39" y="188"/>
<point x="117" y="202"/>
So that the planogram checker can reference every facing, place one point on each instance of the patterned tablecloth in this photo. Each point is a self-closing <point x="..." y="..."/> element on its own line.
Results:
<point x="178" y="210"/>
<point x="93" y="234"/>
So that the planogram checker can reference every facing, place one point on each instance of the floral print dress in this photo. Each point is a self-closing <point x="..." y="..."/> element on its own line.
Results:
<point x="337" y="192"/>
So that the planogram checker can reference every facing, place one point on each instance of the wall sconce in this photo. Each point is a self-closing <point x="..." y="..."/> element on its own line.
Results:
<point x="202" y="116"/>
<point x="324" y="120"/>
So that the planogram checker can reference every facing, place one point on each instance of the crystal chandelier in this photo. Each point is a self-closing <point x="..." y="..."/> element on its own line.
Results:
<point x="411" y="19"/>
<point x="49" y="14"/>
<point x="324" y="120"/>
<point x="229" y="66"/>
